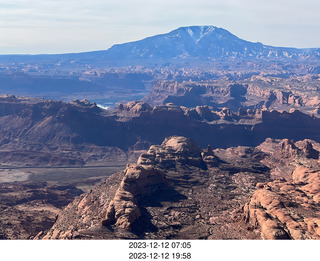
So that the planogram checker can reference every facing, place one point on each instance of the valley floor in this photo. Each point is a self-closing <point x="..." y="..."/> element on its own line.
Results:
<point x="31" y="197"/>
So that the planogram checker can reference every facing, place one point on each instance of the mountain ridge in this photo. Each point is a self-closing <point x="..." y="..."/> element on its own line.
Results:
<point x="189" y="42"/>
<point x="207" y="42"/>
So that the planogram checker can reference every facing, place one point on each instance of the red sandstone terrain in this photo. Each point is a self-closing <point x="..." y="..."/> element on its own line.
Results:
<point x="256" y="105"/>
<point x="177" y="190"/>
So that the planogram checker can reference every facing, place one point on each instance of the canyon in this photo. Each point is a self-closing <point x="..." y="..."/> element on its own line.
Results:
<point x="193" y="134"/>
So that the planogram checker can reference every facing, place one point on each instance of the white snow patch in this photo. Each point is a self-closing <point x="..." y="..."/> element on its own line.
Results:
<point x="204" y="32"/>
<point x="190" y="32"/>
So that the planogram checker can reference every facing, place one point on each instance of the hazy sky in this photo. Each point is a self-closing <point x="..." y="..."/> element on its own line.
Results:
<point x="59" y="26"/>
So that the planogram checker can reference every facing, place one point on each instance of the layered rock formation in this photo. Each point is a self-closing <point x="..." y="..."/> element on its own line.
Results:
<point x="41" y="132"/>
<point x="255" y="92"/>
<point x="287" y="209"/>
<point x="38" y="132"/>
<point x="138" y="181"/>
<point x="177" y="190"/>
<point x="150" y="199"/>
<point x="204" y="125"/>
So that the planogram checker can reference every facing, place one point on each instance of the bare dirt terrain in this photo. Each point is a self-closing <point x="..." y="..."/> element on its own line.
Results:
<point x="32" y="197"/>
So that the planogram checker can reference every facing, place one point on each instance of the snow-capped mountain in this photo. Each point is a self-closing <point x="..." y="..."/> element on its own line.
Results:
<point x="185" y="44"/>
<point x="208" y="42"/>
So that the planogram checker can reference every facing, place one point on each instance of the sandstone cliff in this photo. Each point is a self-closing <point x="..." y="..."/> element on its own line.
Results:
<point x="42" y="132"/>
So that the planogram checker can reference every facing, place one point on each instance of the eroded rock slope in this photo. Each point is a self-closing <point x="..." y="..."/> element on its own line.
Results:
<point x="178" y="190"/>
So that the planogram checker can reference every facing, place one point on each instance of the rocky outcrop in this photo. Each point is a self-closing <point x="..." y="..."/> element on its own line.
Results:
<point x="305" y="149"/>
<point x="209" y="157"/>
<point x="144" y="179"/>
<point x="134" y="107"/>
<point x="172" y="151"/>
<point x="139" y="181"/>
<point x="289" y="149"/>
<point x="205" y="113"/>
<point x="86" y="104"/>
<point x="287" y="210"/>
<point x="176" y="190"/>
<point x="308" y="150"/>
<point x="86" y="211"/>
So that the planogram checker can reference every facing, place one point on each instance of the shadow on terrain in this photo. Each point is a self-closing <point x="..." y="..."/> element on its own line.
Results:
<point x="144" y="224"/>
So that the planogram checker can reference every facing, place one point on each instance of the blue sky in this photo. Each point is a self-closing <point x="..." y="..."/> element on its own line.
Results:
<point x="60" y="26"/>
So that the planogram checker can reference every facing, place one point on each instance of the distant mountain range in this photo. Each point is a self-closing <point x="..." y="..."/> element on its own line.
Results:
<point x="194" y="42"/>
